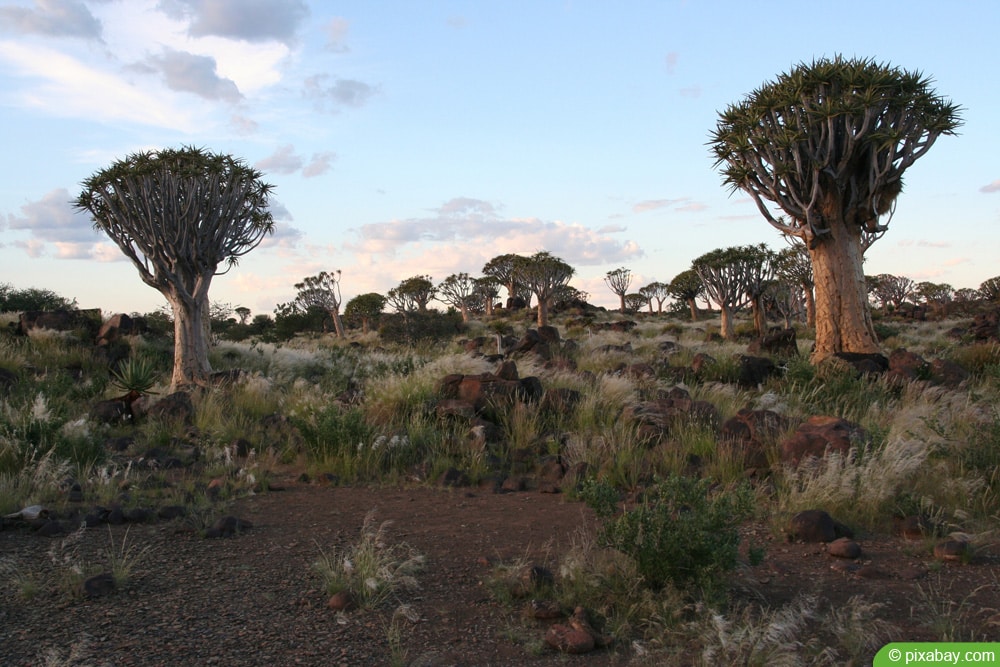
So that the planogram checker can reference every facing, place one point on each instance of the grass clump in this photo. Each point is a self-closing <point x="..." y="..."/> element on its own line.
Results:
<point x="371" y="570"/>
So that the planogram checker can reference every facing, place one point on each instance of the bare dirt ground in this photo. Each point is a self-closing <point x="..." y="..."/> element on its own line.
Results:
<point x="254" y="599"/>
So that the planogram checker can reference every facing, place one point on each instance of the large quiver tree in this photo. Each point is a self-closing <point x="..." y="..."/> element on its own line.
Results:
<point x="178" y="215"/>
<point x="827" y="144"/>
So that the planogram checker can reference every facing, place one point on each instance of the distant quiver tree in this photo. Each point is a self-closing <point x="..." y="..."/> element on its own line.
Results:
<point x="178" y="215"/>
<point x="827" y="145"/>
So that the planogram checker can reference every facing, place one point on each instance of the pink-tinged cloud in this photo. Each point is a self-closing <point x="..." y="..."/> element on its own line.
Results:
<point x="992" y="187"/>
<point x="319" y="164"/>
<point x="681" y="204"/>
<point x="671" y="62"/>
<point x="282" y="161"/>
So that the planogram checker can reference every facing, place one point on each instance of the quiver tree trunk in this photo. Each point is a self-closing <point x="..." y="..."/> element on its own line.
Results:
<point x="191" y="365"/>
<point x="843" y="321"/>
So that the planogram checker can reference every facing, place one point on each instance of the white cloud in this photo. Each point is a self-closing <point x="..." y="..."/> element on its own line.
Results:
<point x="53" y="219"/>
<point x="338" y="94"/>
<point x="61" y="85"/>
<point x="282" y="161"/>
<point x="992" y="187"/>
<point x="53" y="18"/>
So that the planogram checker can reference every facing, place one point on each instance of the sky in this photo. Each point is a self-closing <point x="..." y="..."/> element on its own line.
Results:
<point x="425" y="138"/>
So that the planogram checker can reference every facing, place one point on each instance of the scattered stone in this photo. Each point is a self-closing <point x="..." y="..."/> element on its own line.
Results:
<point x="780" y="344"/>
<point x="453" y="477"/>
<point x="754" y="371"/>
<point x="98" y="585"/>
<point x="951" y="550"/>
<point x="543" y="609"/>
<point x="342" y="601"/>
<point x="816" y="526"/>
<point x="870" y="571"/>
<point x="75" y="494"/>
<point x="913" y="527"/>
<point x="819" y="435"/>
<point x="568" y="639"/>
<point x="50" y="528"/>
<point x="844" y="547"/>
<point x="228" y="526"/>
<point x="168" y="512"/>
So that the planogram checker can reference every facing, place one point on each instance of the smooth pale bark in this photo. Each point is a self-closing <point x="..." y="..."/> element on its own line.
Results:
<point x="728" y="328"/>
<point x="810" y="307"/>
<point x="693" y="305"/>
<point x="191" y="365"/>
<point x="759" y="318"/>
<point x="843" y="321"/>
<point x="543" y="312"/>
<point x="338" y="324"/>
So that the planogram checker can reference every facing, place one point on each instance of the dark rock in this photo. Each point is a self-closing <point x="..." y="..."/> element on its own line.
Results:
<point x="816" y="526"/>
<point x="543" y="609"/>
<point x="50" y="528"/>
<point x="228" y="526"/>
<point x="176" y="406"/>
<point x="453" y="477"/>
<point x="779" y="344"/>
<point x="865" y="364"/>
<point x="947" y="373"/>
<point x="168" y="512"/>
<point x="99" y="585"/>
<point x="754" y="371"/>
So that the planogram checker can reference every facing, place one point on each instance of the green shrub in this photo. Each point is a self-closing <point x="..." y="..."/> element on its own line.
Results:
<point x="683" y="533"/>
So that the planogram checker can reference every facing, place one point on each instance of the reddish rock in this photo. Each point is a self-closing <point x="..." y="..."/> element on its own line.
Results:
<point x="951" y="550"/>
<point x="819" y="435"/>
<point x="567" y="639"/>
<point x="342" y="601"/>
<point x="844" y="547"/>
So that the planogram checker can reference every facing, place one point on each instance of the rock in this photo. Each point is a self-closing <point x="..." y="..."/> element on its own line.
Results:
<point x="99" y="585"/>
<point x="453" y="477"/>
<point x="913" y="527"/>
<point x="865" y="364"/>
<point x="118" y="325"/>
<point x="780" y="344"/>
<point x="908" y="365"/>
<point x="543" y="609"/>
<point x="700" y="361"/>
<point x="568" y="639"/>
<point x="342" y="601"/>
<point x="819" y="435"/>
<point x="947" y="373"/>
<point x="754" y="371"/>
<point x="844" y="547"/>
<point x="50" y="528"/>
<point x="168" y="512"/>
<point x="174" y="407"/>
<point x="752" y="431"/>
<point x="951" y="550"/>
<point x="8" y="379"/>
<point x="816" y="526"/>
<point x="228" y="526"/>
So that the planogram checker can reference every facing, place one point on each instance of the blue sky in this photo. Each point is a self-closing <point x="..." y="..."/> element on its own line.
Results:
<point x="408" y="138"/>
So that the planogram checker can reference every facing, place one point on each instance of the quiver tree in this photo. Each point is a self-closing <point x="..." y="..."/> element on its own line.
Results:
<point x="658" y="291"/>
<point x="458" y="290"/>
<point x="544" y="275"/>
<point x="618" y="282"/>
<point x="365" y="307"/>
<point x="243" y="313"/>
<point x="794" y="268"/>
<point x="412" y="294"/>
<point x="827" y="144"/>
<point x="322" y="291"/>
<point x="733" y="278"/>
<point x="687" y="287"/>
<point x="178" y="215"/>
<point x="893" y="290"/>
<point x="487" y="290"/>
<point x="502" y="268"/>
<point x="636" y="301"/>
<point x="989" y="289"/>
